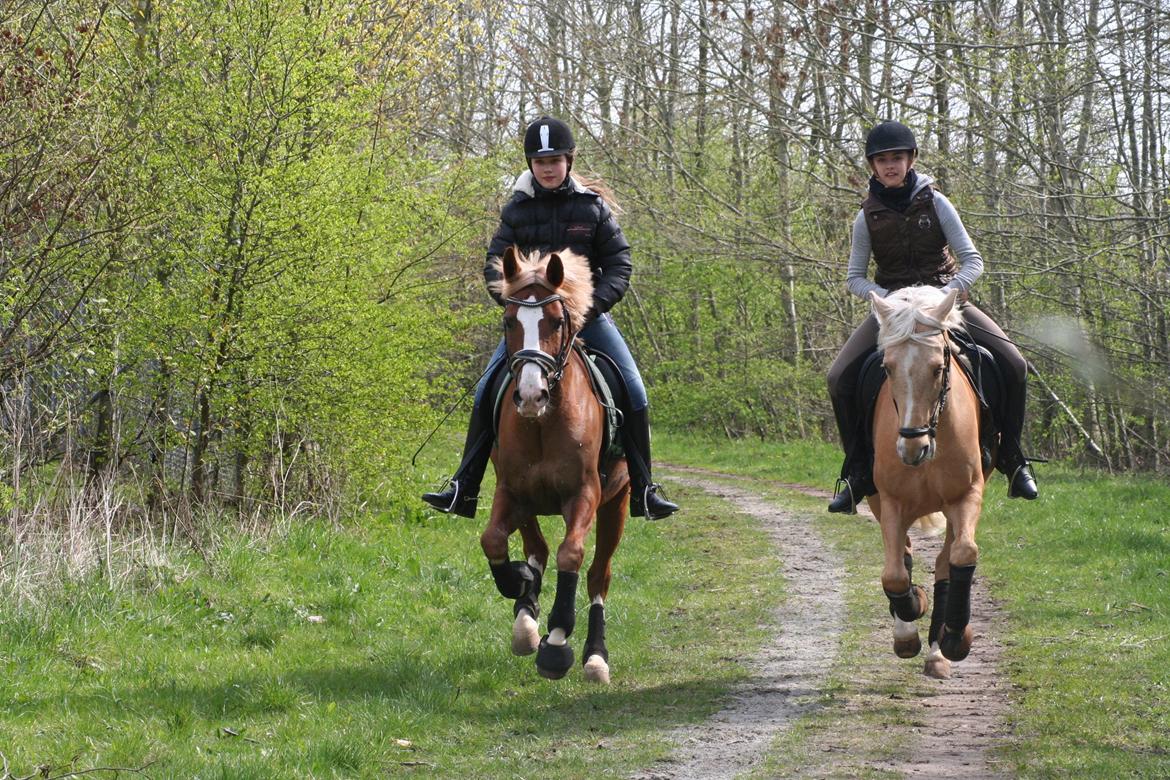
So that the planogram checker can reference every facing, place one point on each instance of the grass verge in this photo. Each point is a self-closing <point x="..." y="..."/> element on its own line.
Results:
<point x="378" y="647"/>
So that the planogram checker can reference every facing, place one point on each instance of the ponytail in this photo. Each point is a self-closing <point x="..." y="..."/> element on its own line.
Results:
<point x="598" y="185"/>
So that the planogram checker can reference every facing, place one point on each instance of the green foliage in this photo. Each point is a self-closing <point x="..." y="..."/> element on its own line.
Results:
<point x="248" y="314"/>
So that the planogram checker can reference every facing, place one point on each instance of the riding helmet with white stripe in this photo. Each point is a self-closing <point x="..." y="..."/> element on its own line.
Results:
<point x="548" y="137"/>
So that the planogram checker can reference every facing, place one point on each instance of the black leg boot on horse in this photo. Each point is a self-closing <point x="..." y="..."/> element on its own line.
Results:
<point x="856" y="481"/>
<point x="461" y="495"/>
<point x="645" y="500"/>
<point x="1011" y="459"/>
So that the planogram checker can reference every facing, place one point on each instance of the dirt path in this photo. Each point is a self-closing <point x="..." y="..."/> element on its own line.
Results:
<point x="955" y="728"/>
<point x="788" y="674"/>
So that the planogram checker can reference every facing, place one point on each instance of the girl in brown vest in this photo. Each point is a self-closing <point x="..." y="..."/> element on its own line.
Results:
<point x="908" y="228"/>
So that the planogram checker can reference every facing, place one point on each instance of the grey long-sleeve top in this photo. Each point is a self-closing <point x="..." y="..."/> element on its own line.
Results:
<point x="970" y="261"/>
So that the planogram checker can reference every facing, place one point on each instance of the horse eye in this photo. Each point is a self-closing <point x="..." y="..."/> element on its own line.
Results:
<point x="938" y="371"/>
<point x="557" y="323"/>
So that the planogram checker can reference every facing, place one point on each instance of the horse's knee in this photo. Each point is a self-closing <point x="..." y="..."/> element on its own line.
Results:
<point x="570" y="558"/>
<point x="964" y="552"/>
<point x="895" y="582"/>
<point x="494" y="541"/>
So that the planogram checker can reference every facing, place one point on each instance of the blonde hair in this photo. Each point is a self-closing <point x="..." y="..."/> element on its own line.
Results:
<point x="576" y="289"/>
<point x="595" y="183"/>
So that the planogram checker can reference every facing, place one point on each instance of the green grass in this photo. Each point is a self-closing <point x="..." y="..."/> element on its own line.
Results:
<point x="377" y="648"/>
<point x="218" y="668"/>
<point x="1083" y="574"/>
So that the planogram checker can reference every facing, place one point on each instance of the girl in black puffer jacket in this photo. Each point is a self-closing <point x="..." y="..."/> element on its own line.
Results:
<point x="551" y="210"/>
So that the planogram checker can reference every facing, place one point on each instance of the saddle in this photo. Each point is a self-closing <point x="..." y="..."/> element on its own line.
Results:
<point x="608" y="389"/>
<point x="981" y="369"/>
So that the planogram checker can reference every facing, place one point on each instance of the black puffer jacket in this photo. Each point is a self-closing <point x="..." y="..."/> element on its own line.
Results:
<point x="571" y="217"/>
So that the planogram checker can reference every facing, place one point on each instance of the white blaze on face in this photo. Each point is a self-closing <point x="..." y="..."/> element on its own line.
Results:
<point x="531" y="382"/>
<point x="904" y="368"/>
<point x="908" y="362"/>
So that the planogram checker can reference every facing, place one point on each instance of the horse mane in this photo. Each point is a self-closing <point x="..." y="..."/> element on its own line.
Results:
<point x="912" y="304"/>
<point x="576" y="289"/>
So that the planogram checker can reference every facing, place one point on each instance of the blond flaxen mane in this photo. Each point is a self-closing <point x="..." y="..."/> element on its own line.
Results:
<point x="914" y="307"/>
<point x="576" y="289"/>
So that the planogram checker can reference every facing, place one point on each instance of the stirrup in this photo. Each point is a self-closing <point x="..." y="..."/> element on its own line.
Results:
<point x="1029" y="493"/>
<point x="640" y="506"/>
<point x="838" y="507"/>
<point x="458" y="503"/>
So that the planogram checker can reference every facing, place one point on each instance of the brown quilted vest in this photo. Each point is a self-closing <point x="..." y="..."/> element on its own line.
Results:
<point x="908" y="248"/>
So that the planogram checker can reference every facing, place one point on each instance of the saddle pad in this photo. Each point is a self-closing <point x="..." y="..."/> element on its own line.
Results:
<point x="605" y="377"/>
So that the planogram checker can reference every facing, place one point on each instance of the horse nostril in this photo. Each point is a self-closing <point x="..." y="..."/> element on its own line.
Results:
<point x="516" y="397"/>
<point x="544" y="395"/>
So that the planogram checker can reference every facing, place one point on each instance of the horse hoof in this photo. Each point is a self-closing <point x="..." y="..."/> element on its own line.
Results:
<point x="525" y="634"/>
<point x="597" y="670"/>
<point x="906" y="641"/>
<point x="908" y="648"/>
<point x="553" y="661"/>
<point x="956" y="646"/>
<point x="937" y="666"/>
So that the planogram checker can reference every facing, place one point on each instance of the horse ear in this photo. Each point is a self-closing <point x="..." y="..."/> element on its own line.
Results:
<point x="881" y="309"/>
<point x="509" y="264"/>
<point x="555" y="271"/>
<point x="944" y="308"/>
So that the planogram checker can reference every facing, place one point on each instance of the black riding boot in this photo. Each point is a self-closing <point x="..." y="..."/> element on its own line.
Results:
<point x="462" y="492"/>
<point x="1011" y="460"/>
<point x="1013" y="463"/>
<point x="856" y="481"/>
<point x="644" y="498"/>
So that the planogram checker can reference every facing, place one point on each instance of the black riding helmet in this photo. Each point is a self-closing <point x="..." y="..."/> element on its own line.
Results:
<point x="548" y="137"/>
<point x="889" y="137"/>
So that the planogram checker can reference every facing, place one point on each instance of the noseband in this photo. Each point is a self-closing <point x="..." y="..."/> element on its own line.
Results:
<point x="931" y="428"/>
<point x="552" y="366"/>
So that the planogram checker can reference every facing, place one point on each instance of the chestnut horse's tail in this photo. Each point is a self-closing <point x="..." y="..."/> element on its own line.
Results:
<point x="933" y="524"/>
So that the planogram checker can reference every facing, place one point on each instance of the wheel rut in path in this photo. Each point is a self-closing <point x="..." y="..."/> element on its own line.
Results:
<point x="955" y="726"/>
<point x="788" y="674"/>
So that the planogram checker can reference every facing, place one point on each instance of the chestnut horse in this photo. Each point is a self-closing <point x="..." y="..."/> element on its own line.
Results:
<point x="926" y="459"/>
<point x="547" y="461"/>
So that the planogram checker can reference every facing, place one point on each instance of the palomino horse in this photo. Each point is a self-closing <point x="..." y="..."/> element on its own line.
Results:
<point x="926" y="459"/>
<point x="547" y="461"/>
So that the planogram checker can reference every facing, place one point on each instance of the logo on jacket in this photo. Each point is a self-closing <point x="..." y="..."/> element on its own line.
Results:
<point x="578" y="230"/>
<point x="924" y="222"/>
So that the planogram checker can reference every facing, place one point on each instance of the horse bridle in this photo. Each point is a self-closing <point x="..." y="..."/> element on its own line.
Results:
<point x="552" y="366"/>
<point x="931" y="428"/>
